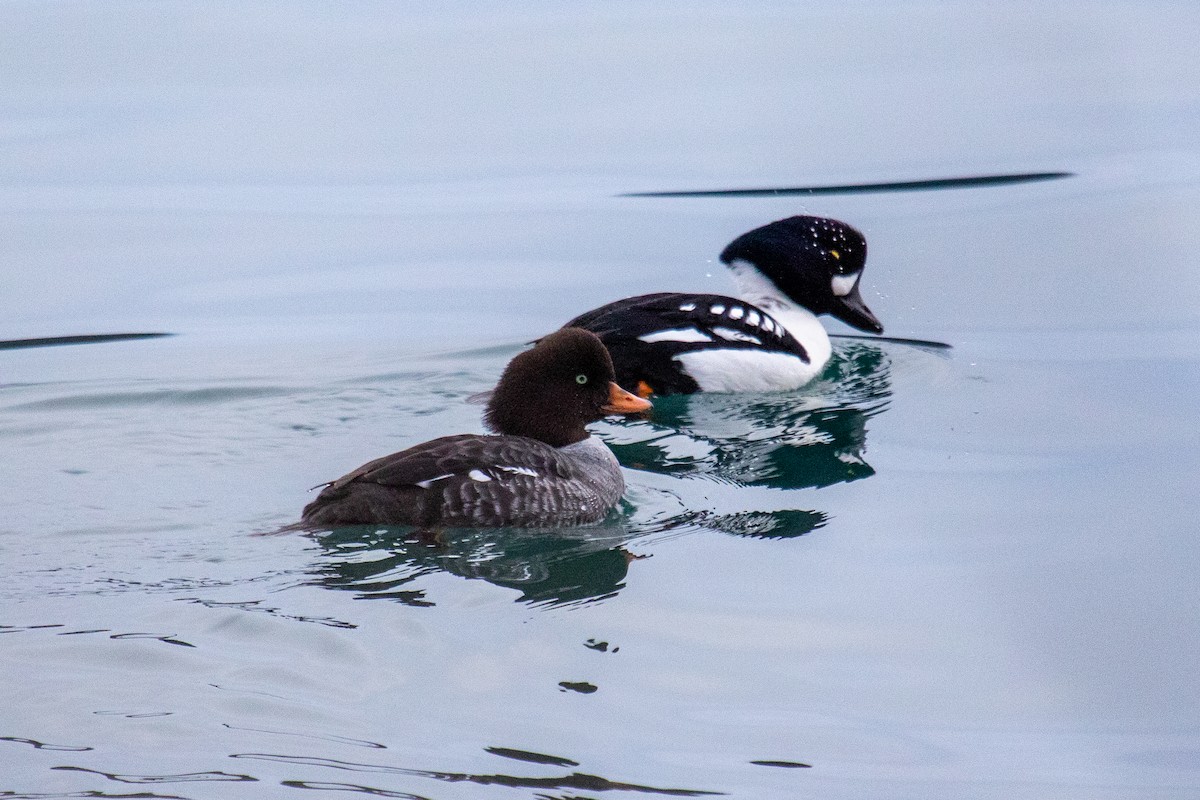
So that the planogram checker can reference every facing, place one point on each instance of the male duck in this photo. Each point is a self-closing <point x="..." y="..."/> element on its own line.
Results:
<point x="769" y="339"/>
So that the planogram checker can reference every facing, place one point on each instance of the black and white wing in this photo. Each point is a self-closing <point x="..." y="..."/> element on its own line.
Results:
<point x="645" y="335"/>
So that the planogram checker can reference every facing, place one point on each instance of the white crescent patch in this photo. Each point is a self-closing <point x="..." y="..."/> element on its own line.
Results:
<point x="843" y="285"/>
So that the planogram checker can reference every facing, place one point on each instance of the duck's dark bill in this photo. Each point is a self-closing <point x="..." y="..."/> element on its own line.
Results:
<point x="623" y="402"/>
<point x="854" y="312"/>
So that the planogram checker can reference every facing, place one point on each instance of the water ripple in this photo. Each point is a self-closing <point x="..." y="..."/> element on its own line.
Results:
<point x="531" y="757"/>
<point x="325" y="737"/>
<point x="255" y="606"/>
<point x="187" y="777"/>
<point x="574" y="780"/>
<point x="184" y="397"/>
<point x="924" y="185"/>
<point x="44" y="745"/>
<point x="161" y="637"/>
<point x="9" y="795"/>
<point x="351" y="787"/>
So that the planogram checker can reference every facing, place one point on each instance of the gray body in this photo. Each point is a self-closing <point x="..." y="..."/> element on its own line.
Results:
<point x="477" y="481"/>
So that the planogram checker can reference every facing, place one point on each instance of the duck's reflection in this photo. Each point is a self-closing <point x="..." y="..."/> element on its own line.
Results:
<point x="790" y="440"/>
<point x="552" y="567"/>
<point x="547" y="567"/>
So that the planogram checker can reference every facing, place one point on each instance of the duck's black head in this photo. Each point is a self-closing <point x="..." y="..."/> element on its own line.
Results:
<point x="552" y="391"/>
<point x="816" y="262"/>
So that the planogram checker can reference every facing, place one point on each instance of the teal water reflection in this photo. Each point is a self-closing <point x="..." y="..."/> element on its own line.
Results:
<point x="547" y="567"/>
<point x="805" y="439"/>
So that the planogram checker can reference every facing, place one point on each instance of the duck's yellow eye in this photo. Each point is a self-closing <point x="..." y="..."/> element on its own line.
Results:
<point x="836" y="255"/>
<point x="581" y="379"/>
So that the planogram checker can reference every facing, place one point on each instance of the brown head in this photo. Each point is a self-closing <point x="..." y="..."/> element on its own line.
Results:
<point x="552" y="391"/>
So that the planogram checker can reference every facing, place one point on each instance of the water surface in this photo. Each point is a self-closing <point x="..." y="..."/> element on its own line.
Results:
<point x="935" y="573"/>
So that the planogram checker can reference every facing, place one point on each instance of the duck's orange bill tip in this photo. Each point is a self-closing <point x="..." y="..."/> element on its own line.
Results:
<point x="622" y="402"/>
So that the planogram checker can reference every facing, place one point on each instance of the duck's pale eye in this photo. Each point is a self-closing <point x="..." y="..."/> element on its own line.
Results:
<point x="581" y="379"/>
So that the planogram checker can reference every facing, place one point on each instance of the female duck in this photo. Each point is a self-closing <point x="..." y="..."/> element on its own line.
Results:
<point x="769" y="339"/>
<point x="541" y="469"/>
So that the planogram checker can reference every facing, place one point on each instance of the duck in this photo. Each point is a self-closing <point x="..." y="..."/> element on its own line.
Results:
<point x="539" y="468"/>
<point x="769" y="338"/>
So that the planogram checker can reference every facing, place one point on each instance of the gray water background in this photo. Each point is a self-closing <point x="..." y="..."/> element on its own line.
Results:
<point x="962" y="574"/>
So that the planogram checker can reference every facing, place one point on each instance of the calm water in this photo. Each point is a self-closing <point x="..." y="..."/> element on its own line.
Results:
<point x="934" y="574"/>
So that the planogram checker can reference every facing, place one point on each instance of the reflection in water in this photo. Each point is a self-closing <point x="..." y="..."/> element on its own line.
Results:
<point x="531" y="757"/>
<point x="187" y="777"/>
<point x="792" y="440"/>
<point x="783" y="524"/>
<point x="583" y="687"/>
<point x="547" y="566"/>
<point x="44" y="745"/>
<point x="572" y="780"/>
<point x="786" y="441"/>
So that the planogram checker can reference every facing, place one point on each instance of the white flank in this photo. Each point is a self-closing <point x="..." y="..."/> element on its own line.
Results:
<point x="431" y="481"/>
<point x="747" y="370"/>
<point x="843" y="285"/>
<point x="677" y="335"/>
<point x="730" y="335"/>
<point x="479" y="475"/>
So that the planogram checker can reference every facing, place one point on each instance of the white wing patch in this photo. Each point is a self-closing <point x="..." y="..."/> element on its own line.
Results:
<point x="752" y="318"/>
<point x="736" y="312"/>
<point x="717" y="310"/>
<point x="676" y="335"/>
<point x="730" y="335"/>
<point x="519" y="471"/>
<point x="431" y="481"/>
<point x="479" y="476"/>
<point x="688" y="307"/>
